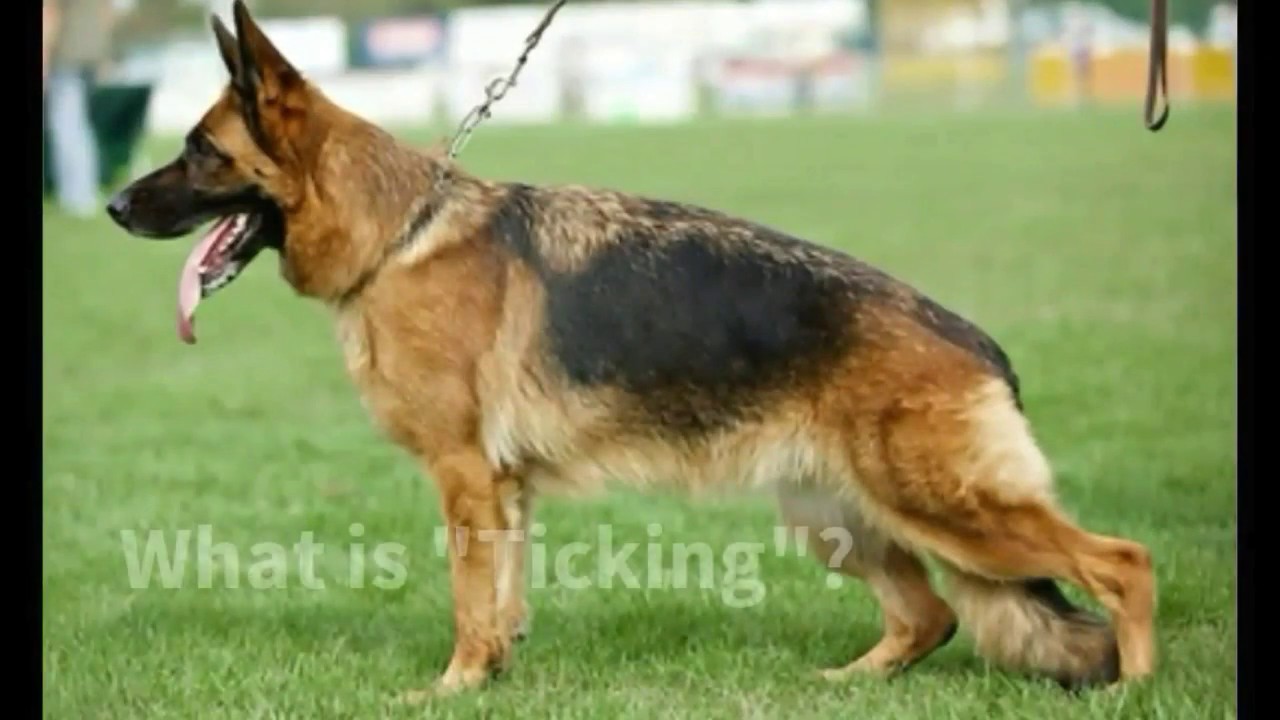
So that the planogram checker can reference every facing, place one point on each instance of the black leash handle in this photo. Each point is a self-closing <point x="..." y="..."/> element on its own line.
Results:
<point x="1158" y="66"/>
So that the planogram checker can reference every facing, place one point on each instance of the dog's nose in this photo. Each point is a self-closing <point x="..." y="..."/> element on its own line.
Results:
<point x="118" y="208"/>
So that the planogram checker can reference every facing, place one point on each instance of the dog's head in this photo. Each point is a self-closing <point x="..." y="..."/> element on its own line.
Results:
<point x="249" y="166"/>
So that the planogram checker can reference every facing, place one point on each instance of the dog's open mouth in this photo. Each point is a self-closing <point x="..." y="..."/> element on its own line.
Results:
<point x="220" y="256"/>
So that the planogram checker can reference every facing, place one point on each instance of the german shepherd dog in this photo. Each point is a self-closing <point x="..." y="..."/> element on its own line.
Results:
<point x="518" y="339"/>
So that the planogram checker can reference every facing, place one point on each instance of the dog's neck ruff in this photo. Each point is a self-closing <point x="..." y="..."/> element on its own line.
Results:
<point x="420" y="216"/>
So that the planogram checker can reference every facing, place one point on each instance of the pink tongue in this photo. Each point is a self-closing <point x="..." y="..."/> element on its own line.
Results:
<point x="189" y="280"/>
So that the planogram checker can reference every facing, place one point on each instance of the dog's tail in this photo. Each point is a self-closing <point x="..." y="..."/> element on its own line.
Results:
<point x="1030" y="625"/>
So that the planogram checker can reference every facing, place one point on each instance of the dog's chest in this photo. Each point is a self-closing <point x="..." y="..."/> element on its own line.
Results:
<point x="369" y="358"/>
<point x="356" y="340"/>
<point x="413" y="368"/>
<point x="356" y="343"/>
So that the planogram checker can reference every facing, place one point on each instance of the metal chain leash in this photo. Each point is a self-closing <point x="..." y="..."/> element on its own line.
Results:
<point x="498" y="87"/>
<point x="493" y="92"/>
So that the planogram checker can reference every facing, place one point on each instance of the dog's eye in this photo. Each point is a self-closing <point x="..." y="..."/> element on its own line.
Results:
<point x="199" y="146"/>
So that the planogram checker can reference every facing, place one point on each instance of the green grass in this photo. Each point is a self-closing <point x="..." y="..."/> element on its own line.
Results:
<point x="1101" y="255"/>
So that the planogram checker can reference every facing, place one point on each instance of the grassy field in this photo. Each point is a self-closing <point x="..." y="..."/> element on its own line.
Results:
<point x="1102" y="256"/>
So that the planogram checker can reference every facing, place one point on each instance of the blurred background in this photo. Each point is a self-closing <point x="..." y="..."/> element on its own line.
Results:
<point x="127" y="68"/>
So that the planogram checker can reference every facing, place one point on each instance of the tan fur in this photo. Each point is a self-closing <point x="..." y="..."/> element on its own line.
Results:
<point x="909" y="443"/>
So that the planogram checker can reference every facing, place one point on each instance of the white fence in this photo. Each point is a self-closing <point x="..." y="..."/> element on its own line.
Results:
<point x="625" y="62"/>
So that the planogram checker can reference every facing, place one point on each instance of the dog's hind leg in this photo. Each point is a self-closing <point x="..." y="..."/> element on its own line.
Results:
<point x="959" y="476"/>
<point x="916" y="620"/>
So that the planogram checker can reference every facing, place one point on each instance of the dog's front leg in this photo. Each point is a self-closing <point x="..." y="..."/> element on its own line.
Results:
<point x="516" y="500"/>
<point x="477" y="532"/>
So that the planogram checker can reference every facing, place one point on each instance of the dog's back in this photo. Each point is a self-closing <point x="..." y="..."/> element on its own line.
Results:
<point x="702" y="319"/>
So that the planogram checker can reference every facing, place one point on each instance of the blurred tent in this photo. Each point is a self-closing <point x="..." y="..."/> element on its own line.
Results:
<point x="973" y="52"/>
<point x="118" y="114"/>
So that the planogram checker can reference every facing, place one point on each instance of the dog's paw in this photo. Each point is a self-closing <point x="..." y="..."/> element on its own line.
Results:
<point x="519" y="623"/>
<point x="865" y="666"/>
<point x="520" y="627"/>
<point x="449" y="684"/>
<point x="843" y="674"/>
<point x="414" y="697"/>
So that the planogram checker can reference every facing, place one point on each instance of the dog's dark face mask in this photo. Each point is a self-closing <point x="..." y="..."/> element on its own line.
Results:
<point x="227" y="174"/>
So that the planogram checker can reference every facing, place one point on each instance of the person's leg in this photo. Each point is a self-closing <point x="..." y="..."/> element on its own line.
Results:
<point x="72" y="144"/>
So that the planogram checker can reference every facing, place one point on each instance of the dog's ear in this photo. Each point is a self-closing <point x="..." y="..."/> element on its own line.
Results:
<point x="265" y="70"/>
<point x="269" y="86"/>
<point x="228" y="48"/>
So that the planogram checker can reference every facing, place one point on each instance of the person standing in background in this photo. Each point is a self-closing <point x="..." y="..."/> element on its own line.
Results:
<point x="77" y="36"/>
